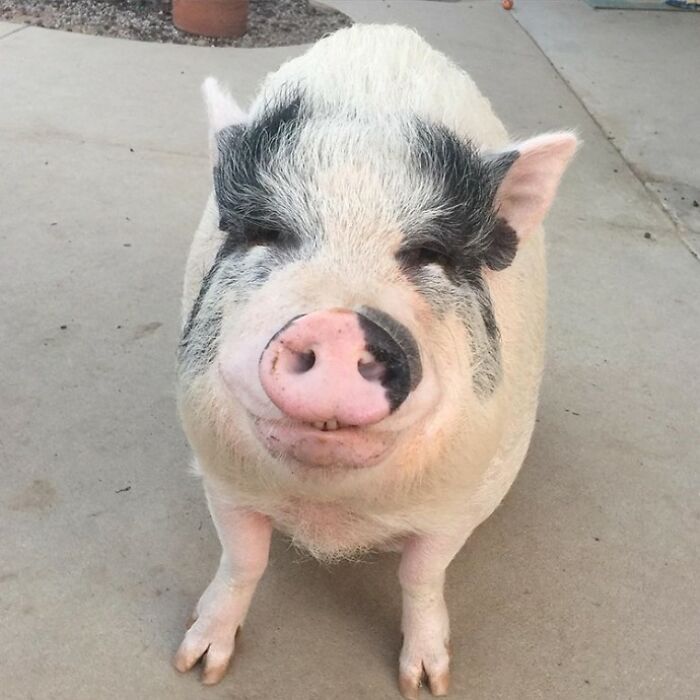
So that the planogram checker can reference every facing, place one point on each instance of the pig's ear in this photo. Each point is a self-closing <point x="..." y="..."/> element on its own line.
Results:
<point x="529" y="174"/>
<point x="222" y="110"/>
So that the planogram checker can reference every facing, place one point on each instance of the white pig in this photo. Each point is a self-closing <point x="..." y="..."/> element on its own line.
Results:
<point x="363" y="325"/>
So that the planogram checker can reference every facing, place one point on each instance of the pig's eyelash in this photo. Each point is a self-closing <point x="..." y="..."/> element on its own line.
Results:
<point x="420" y="255"/>
<point x="262" y="235"/>
<point x="249" y="234"/>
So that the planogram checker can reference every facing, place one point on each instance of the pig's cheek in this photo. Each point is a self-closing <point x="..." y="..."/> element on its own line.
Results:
<point x="444" y="378"/>
<point x="424" y="403"/>
<point x="237" y="370"/>
<point x="426" y="397"/>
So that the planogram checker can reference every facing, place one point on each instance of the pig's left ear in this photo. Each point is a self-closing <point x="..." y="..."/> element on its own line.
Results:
<point x="529" y="174"/>
<point x="222" y="110"/>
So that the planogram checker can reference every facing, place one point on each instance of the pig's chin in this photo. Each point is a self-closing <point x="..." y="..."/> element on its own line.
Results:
<point x="343" y="448"/>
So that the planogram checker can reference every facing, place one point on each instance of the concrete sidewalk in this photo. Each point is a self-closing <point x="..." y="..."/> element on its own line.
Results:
<point x="582" y="585"/>
<point x="635" y="73"/>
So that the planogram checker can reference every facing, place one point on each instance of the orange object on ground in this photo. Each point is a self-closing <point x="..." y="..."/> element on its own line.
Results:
<point x="217" y="18"/>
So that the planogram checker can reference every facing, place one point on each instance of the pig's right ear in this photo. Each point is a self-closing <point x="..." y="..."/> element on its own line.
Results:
<point x="222" y="111"/>
<point x="529" y="174"/>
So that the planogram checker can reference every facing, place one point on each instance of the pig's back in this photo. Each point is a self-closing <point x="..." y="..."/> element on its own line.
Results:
<point x="379" y="69"/>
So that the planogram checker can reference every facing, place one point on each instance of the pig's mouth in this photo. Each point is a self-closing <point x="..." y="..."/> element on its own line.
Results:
<point x="326" y="444"/>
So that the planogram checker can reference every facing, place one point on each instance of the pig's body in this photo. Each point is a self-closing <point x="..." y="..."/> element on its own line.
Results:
<point x="464" y="427"/>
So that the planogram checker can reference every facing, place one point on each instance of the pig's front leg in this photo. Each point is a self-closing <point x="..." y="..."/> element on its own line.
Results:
<point x="425" y="622"/>
<point x="245" y="542"/>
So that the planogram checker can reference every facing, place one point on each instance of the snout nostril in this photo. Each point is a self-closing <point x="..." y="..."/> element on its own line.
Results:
<point x="304" y="361"/>
<point x="370" y="369"/>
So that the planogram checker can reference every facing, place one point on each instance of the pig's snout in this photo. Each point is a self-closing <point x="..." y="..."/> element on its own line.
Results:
<point x="340" y="368"/>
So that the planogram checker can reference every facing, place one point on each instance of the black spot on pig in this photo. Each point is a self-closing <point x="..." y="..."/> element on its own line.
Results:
<point x="478" y="316"/>
<point x="461" y="230"/>
<point x="248" y="157"/>
<point x="194" y="312"/>
<point x="259" y="231"/>
<point x="504" y="245"/>
<point x="200" y="337"/>
<point x="486" y="310"/>
<point x="280" y="118"/>
<point x="500" y="163"/>
<point x="199" y="344"/>
<point x="392" y="345"/>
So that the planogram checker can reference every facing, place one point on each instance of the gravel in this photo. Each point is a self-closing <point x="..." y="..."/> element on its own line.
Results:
<point x="270" y="22"/>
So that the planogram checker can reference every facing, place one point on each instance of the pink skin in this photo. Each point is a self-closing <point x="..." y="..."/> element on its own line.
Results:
<point x="351" y="448"/>
<point x="426" y="628"/>
<point x="344" y="382"/>
<point x="245" y="541"/>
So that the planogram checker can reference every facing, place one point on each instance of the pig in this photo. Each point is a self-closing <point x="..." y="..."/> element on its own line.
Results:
<point x="363" y="325"/>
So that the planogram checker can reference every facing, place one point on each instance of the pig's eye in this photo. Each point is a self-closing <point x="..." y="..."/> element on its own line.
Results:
<point x="248" y="234"/>
<point x="422" y="255"/>
<point x="262" y="235"/>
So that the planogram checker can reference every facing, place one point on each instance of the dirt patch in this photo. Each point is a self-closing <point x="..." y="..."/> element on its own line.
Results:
<point x="146" y="329"/>
<point x="270" y="22"/>
<point x="40" y="495"/>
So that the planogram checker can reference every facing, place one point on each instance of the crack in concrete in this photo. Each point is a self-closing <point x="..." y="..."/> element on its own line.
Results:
<point x="58" y="136"/>
<point x="14" y="31"/>
<point x="676" y="225"/>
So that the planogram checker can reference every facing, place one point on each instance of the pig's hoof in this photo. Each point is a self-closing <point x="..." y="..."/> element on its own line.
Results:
<point x="212" y="635"/>
<point x="213" y="642"/>
<point x="432" y="665"/>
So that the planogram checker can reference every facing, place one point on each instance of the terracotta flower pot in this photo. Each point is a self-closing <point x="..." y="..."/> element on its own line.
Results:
<point x="222" y="18"/>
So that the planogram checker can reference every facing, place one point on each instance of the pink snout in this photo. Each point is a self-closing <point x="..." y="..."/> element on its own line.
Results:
<point x="328" y="367"/>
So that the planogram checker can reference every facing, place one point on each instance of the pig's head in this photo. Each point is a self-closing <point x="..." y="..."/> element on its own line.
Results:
<point x="347" y="317"/>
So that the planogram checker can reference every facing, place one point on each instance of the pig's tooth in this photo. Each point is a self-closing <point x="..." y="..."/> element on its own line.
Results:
<point x="332" y="425"/>
<point x="318" y="424"/>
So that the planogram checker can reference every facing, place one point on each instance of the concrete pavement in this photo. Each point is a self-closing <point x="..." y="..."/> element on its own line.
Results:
<point x="582" y="585"/>
<point x="634" y="72"/>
